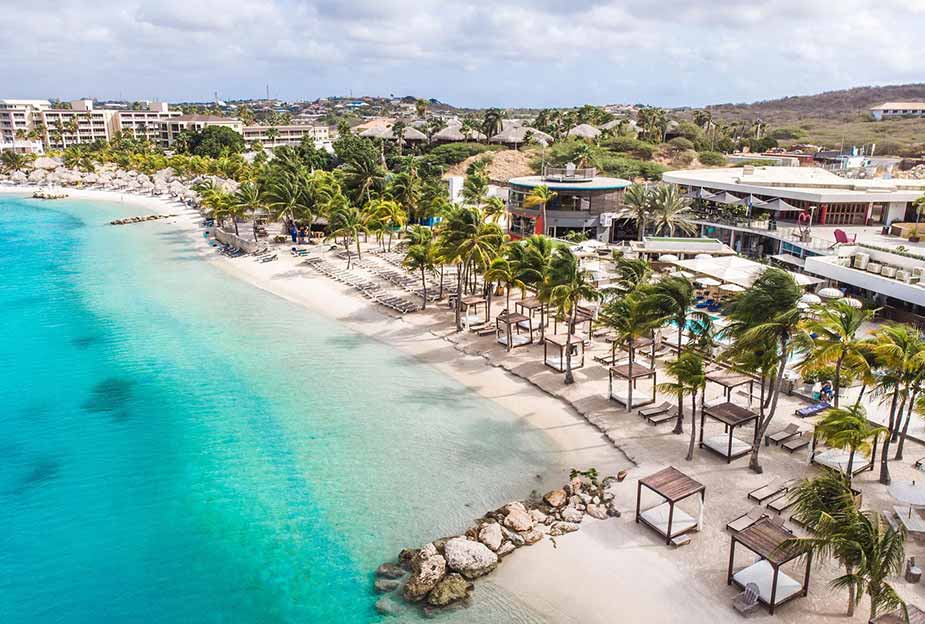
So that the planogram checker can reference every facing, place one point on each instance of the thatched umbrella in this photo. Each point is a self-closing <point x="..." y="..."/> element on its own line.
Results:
<point x="378" y="132"/>
<point x="19" y="176"/>
<point x="37" y="175"/>
<point x="517" y="135"/>
<point x="45" y="162"/>
<point x="584" y="131"/>
<point x="413" y="134"/>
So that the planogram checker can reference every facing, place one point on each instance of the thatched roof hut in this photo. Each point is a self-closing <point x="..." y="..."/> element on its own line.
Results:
<point x="584" y="131"/>
<point x="518" y="135"/>
<point x="454" y="132"/>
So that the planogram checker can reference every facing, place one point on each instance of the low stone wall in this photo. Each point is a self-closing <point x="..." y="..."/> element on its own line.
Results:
<point x="235" y="241"/>
<point x="440" y="573"/>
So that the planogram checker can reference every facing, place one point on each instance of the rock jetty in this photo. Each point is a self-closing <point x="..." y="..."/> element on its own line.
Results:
<point x="128" y="220"/>
<point x="440" y="574"/>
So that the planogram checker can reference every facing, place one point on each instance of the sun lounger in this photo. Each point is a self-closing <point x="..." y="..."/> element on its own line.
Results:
<point x="765" y="492"/>
<point x="747" y="519"/>
<point x="812" y="410"/>
<point x="648" y="412"/>
<point x="782" y="503"/>
<point x="783" y="435"/>
<point x="663" y="417"/>
<point x="795" y="444"/>
<point x="747" y="601"/>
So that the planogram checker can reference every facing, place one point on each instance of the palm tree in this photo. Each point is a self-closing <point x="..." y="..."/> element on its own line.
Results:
<point x="672" y="300"/>
<point x="534" y="269"/>
<point x="272" y="135"/>
<point x="421" y="255"/>
<point x="639" y="201"/>
<point x="249" y="201"/>
<point x="492" y="122"/>
<point x="690" y="378"/>
<point x="836" y="326"/>
<point x="287" y="195"/>
<point x="347" y="223"/>
<point x="13" y="161"/>
<point x="668" y="207"/>
<point x="363" y="177"/>
<point x="627" y="317"/>
<point x="494" y="208"/>
<point x="504" y="270"/>
<point x="848" y="428"/>
<point x="826" y="506"/>
<point x="421" y="108"/>
<point x="570" y="285"/>
<point x="630" y="274"/>
<point x="541" y="196"/>
<point x="899" y="351"/>
<point x="767" y="314"/>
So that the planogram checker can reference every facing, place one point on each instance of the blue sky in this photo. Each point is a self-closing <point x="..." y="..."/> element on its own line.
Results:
<point x="469" y="52"/>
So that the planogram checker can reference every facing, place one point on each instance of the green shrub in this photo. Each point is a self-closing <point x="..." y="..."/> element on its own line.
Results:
<point x="680" y="144"/>
<point x="631" y="146"/>
<point x="711" y="159"/>
<point x="451" y="154"/>
<point x="787" y="134"/>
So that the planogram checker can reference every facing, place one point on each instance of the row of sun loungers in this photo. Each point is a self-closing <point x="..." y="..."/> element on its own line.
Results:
<point x="404" y="281"/>
<point x="369" y="289"/>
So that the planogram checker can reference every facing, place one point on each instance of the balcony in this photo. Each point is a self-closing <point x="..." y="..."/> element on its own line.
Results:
<point x="782" y="230"/>
<point x="569" y="173"/>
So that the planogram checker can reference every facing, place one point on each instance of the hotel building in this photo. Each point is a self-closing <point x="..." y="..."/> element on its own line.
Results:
<point x="17" y="119"/>
<point x="172" y="128"/>
<point x="584" y="202"/>
<point x="81" y="123"/>
<point x="286" y="135"/>
<point x="892" y="110"/>
<point x="148" y="123"/>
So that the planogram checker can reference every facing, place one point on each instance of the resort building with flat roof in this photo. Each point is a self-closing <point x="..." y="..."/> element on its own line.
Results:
<point x="584" y="202"/>
<point x="274" y="136"/>
<point x="17" y="122"/>
<point x="171" y="130"/>
<point x="891" y="110"/>
<point x="147" y="123"/>
<point x="82" y="123"/>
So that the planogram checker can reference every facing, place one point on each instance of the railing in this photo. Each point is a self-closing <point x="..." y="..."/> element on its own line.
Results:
<point x="564" y="174"/>
<point x="790" y="233"/>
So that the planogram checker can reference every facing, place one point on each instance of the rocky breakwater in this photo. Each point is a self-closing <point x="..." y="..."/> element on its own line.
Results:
<point x="129" y="220"/>
<point x="440" y="574"/>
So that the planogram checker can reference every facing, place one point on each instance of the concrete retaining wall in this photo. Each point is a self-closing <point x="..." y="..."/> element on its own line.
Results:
<point x="235" y="241"/>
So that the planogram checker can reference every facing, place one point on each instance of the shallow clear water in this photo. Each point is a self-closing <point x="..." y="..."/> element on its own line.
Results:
<point x="180" y="447"/>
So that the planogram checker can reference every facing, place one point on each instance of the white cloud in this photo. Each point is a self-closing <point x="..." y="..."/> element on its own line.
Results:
<point x="477" y="52"/>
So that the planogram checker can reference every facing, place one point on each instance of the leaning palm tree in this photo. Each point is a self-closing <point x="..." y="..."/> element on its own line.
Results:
<point x="671" y="300"/>
<point x="766" y="315"/>
<point x="899" y="349"/>
<point x="248" y="199"/>
<point x="627" y="317"/>
<point x="835" y="327"/>
<point x="690" y="378"/>
<point x="492" y="122"/>
<point x="639" y="201"/>
<point x="421" y="256"/>
<point x="541" y="196"/>
<point x="630" y="274"/>
<point x="669" y="209"/>
<point x="827" y="507"/>
<point x="505" y="271"/>
<point x="848" y="428"/>
<point x="347" y="223"/>
<point x="570" y="285"/>
<point x="534" y="270"/>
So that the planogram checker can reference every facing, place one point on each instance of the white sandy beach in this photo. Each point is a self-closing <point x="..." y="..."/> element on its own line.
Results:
<point x="613" y="570"/>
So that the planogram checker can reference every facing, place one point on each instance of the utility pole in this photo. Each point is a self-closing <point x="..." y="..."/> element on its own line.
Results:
<point x="268" y="92"/>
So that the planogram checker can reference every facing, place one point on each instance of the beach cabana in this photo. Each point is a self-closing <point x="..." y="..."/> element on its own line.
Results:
<point x="730" y="380"/>
<point x="766" y="540"/>
<point x="732" y="416"/>
<point x="531" y="306"/>
<point x="837" y="459"/>
<point x="554" y="346"/>
<point x="632" y="373"/>
<point x="671" y="486"/>
<point x="470" y="317"/>
<point x="583" y="316"/>
<point x="508" y="328"/>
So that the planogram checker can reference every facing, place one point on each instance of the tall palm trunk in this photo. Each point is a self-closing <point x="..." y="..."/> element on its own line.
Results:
<point x="441" y="282"/>
<point x="905" y="429"/>
<point x="424" y="285"/>
<point x="753" y="463"/>
<point x="255" y="230"/>
<point x="884" y="454"/>
<point x="679" y="423"/>
<point x="459" y="288"/>
<point x="852" y="600"/>
<point x="860" y="396"/>
<point x="545" y="224"/>
<point x="837" y="384"/>
<point x="568" y="345"/>
<point x="690" y="447"/>
<point x="850" y="474"/>
<point x="629" y="381"/>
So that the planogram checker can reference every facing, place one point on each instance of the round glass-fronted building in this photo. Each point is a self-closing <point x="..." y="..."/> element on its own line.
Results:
<point x="584" y="202"/>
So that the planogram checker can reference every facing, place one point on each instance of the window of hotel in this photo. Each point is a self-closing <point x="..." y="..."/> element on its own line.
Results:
<point x="846" y="214"/>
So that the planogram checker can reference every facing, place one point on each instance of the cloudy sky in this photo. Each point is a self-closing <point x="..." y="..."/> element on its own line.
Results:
<point x="468" y="52"/>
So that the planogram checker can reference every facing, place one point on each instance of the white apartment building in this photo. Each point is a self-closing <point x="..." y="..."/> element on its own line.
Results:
<point x="892" y="110"/>
<point x="17" y="121"/>
<point x="172" y="128"/>
<point x="79" y="124"/>
<point x="148" y="123"/>
<point x="274" y="136"/>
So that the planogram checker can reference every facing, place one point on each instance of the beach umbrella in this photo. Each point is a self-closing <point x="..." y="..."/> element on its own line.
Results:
<point x="854" y="303"/>
<point x="584" y="131"/>
<point x="734" y="288"/>
<point x="19" y="176"/>
<point x="667" y="258"/>
<point x="683" y="274"/>
<point x="810" y="299"/>
<point x="45" y="162"/>
<point x="703" y="256"/>
<point x="36" y="175"/>
<point x="723" y="197"/>
<point x="803" y="305"/>
<point x="831" y="293"/>
<point x="707" y="281"/>
<point x="909" y="493"/>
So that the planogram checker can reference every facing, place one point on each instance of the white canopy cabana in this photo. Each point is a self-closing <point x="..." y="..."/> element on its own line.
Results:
<point x="707" y="281"/>
<point x="735" y="270"/>
<point x="831" y="293"/>
<point x="811" y="299"/>
<point x="734" y="288"/>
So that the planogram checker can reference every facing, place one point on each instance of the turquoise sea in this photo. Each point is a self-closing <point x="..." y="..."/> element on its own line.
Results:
<point x="177" y="446"/>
